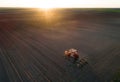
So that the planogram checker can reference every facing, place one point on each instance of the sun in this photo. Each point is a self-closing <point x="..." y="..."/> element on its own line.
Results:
<point x="46" y="5"/>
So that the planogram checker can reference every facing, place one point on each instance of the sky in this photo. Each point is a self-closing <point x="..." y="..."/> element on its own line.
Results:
<point x="61" y="3"/>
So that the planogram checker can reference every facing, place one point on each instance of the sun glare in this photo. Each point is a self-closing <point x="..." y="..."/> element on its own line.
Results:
<point x="46" y="4"/>
<point x="45" y="9"/>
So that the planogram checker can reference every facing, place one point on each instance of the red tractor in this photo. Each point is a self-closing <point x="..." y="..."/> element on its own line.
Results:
<point x="73" y="56"/>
